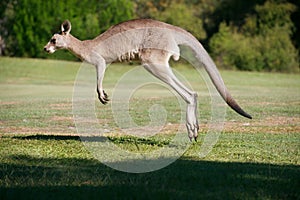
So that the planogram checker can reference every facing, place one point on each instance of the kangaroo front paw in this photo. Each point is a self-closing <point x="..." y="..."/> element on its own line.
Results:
<point x="102" y="96"/>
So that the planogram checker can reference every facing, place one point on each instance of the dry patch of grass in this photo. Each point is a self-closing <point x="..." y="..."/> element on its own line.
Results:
<point x="274" y="124"/>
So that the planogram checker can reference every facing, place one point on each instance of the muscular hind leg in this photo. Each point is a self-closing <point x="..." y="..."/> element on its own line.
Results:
<point x="157" y="64"/>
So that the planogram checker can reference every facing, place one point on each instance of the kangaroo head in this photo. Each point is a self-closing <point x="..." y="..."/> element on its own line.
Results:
<point x="59" y="40"/>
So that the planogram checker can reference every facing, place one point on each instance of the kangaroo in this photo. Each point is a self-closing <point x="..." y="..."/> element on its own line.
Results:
<point x="153" y="43"/>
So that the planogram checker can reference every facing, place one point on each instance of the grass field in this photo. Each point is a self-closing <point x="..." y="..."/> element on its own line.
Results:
<point x="42" y="156"/>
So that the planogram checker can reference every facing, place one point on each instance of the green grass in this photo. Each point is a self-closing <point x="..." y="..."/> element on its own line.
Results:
<point x="42" y="157"/>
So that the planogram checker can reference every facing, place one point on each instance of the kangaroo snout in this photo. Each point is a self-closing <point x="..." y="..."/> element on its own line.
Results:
<point x="50" y="49"/>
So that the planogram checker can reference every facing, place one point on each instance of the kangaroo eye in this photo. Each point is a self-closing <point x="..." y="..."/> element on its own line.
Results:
<point x="53" y="41"/>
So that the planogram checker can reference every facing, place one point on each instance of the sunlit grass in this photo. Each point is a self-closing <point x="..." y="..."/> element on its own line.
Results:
<point x="43" y="155"/>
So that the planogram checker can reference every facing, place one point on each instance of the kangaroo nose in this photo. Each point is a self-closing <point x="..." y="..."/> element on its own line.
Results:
<point x="45" y="49"/>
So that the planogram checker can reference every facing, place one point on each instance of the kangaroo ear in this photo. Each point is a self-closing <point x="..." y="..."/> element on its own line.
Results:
<point x="66" y="27"/>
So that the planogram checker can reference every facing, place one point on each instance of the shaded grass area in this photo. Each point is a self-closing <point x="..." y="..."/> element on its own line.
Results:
<point x="60" y="167"/>
<point x="41" y="156"/>
<point x="213" y="179"/>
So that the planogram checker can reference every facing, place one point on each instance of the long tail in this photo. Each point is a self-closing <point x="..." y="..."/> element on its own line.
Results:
<point x="217" y="80"/>
<point x="203" y="58"/>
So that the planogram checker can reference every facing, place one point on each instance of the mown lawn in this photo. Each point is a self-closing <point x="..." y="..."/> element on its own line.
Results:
<point x="43" y="157"/>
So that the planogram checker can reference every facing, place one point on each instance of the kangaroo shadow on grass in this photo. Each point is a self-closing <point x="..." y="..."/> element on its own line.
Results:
<point x="47" y="137"/>
<point x="73" y="178"/>
<point x="126" y="139"/>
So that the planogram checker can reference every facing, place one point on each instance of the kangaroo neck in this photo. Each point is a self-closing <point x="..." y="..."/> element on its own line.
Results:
<point x="77" y="47"/>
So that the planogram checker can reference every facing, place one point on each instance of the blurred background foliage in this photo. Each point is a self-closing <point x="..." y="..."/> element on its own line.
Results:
<point x="256" y="35"/>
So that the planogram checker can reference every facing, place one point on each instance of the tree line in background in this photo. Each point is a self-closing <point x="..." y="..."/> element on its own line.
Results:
<point x="256" y="35"/>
